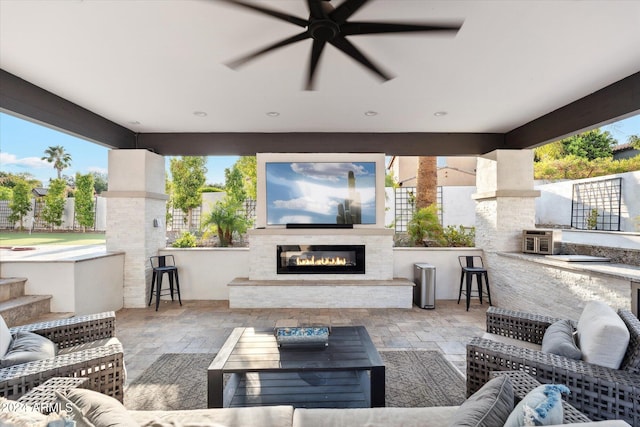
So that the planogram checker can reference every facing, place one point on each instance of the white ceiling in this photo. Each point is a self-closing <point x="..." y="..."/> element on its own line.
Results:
<point x="157" y="62"/>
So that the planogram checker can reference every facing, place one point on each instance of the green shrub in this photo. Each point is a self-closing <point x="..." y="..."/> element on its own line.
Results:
<point x="592" y="219"/>
<point x="212" y="189"/>
<point x="458" y="237"/>
<point x="227" y="219"/>
<point x="186" y="240"/>
<point x="425" y="224"/>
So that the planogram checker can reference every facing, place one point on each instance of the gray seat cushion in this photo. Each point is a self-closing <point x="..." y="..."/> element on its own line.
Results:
<point x="5" y="337"/>
<point x="28" y="347"/>
<point x="374" y="417"/>
<point x="511" y="341"/>
<point x="488" y="407"/>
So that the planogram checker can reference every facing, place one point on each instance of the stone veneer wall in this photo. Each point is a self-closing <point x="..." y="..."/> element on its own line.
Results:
<point x="135" y="199"/>
<point x="500" y="221"/>
<point x="523" y="285"/>
<point x="378" y="251"/>
<point x="130" y="229"/>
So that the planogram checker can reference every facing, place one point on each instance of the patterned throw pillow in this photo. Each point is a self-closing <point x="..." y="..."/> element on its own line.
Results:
<point x="542" y="406"/>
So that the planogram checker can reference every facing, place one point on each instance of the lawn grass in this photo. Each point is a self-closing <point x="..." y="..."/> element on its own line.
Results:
<point x="10" y="238"/>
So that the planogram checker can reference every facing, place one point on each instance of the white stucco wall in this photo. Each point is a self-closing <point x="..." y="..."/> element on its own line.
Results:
<point x="79" y="286"/>
<point x="444" y="259"/>
<point x="458" y="207"/>
<point x="205" y="272"/>
<point x="554" y="204"/>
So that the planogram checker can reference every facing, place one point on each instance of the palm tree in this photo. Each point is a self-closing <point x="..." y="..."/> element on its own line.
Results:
<point x="427" y="182"/>
<point x="59" y="157"/>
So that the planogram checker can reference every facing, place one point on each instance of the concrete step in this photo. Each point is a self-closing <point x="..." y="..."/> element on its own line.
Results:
<point x="11" y="287"/>
<point x="24" y="309"/>
<point x="47" y="317"/>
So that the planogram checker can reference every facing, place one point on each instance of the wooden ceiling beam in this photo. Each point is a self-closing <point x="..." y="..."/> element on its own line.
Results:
<point x="614" y="102"/>
<point x="395" y="144"/>
<point x="24" y="99"/>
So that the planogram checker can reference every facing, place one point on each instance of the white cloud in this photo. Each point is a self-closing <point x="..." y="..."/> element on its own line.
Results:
<point x="295" y="219"/>
<point x="97" y="169"/>
<point x="29" y="162"/>
<point x="322" y="206"/>
<point x="328" y="171"/>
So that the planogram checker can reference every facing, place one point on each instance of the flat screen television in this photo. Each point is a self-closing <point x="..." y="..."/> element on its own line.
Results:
<point x="320" y="192"/>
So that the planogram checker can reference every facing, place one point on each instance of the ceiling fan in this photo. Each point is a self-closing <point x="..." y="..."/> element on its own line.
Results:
<point x="329" y="24"/>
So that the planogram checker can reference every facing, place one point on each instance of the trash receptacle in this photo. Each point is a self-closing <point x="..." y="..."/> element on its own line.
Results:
<point x="424" y="293"/>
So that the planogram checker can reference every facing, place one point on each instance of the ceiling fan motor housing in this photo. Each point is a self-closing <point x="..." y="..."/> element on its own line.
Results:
<point x="323" y="29"/>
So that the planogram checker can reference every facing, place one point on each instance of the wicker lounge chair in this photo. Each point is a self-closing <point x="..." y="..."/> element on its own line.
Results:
<point x="600" y="393"/>
<point x="87" y="347"/>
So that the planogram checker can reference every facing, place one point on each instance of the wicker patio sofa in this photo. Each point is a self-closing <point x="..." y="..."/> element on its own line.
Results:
<point x="87" y="347"/>
<point x="600" y="393"/>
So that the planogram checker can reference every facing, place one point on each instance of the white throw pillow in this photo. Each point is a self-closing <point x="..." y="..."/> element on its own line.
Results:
<point x="603" y="336"/>
<point x="5" y="337"/>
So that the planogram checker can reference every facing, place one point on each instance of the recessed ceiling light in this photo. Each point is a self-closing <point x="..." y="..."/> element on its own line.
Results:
<point x="370" y="113"/>
<point x="199" y="114"/>
<point x="273" y="114"/>
<point x="440" y="113"/>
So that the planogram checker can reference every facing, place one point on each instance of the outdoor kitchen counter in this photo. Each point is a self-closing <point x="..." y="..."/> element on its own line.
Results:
<point x="606" y="269"/>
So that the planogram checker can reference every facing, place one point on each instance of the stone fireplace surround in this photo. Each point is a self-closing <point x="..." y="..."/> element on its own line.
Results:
<point x="266" y="288"/>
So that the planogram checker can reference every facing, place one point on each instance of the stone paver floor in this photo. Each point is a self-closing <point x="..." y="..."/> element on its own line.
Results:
<point x="203" y="327"/>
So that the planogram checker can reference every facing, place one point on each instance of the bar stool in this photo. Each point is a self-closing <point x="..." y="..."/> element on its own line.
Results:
<point x="161" y="265"/>
<point x="473" y="266"/>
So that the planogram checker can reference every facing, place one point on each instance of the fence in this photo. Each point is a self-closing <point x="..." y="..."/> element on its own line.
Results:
<point x="606" y="203"/>
<point x="596" y="205"/>
<point x="404" y="206"/>
<point x="180" y="223"/>
<point x="33" y="220"/>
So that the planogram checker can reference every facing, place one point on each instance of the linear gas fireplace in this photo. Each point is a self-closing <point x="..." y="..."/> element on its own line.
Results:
<point x="320" y="259"/>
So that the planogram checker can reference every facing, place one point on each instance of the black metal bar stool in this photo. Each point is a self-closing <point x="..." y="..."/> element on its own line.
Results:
<point x="161" y="265"/>
<point x="473" y="266"/>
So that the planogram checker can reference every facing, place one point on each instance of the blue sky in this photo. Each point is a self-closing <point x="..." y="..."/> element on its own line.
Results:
<point x="22" y="144"/>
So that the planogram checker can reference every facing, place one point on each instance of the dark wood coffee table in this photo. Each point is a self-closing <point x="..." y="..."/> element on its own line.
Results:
<point x="349" y="372"/>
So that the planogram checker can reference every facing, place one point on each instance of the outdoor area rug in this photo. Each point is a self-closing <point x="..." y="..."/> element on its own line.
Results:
<point x="179" y="381"/>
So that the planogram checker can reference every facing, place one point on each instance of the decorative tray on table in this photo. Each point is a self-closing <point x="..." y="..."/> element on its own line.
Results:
<point x="302" y="337"/>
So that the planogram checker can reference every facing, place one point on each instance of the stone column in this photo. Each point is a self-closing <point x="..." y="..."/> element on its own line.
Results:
<point x="505" y="199"/>
<point x="136" y="206"/>
<point x="505" y="205"/>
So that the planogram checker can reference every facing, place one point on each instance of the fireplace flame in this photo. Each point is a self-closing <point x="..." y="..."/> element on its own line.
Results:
<point x="321" y="261"/>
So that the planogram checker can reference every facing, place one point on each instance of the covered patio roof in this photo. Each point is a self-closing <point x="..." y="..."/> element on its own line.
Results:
<point x="152" y="75"/>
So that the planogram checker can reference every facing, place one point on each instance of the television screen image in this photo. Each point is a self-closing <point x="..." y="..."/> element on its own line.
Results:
<point x="320" y="193"/>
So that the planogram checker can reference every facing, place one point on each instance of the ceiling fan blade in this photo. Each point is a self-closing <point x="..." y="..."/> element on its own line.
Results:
<point x="316" y="10"/>
<point x="344" y="45"/>
<point x="316" y="51"/>
<point x="354" y="28"/>
<point x="241" y="61"/>
<point x="273" y="13"/>
<point x="345" y="10"/>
